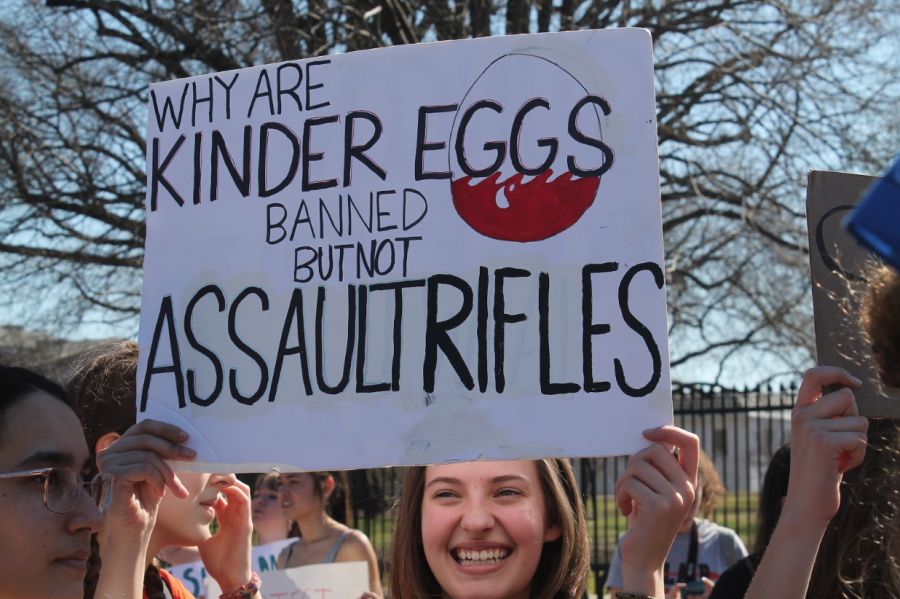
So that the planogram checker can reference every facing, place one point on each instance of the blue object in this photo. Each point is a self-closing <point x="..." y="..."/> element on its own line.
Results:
<point x="876" y="220"/>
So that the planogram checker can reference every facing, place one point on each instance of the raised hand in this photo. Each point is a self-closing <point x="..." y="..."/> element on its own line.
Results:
<point x="828" y="437"/>
<point x="137" y="459"/>
<point x="226" y="555"/>
<point x="656" y="491"/>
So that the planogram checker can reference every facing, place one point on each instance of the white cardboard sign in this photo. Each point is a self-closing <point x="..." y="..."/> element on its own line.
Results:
<point x="409" y="255"/>
<point x="346" y="580"/>
<point x="263" y="558"/>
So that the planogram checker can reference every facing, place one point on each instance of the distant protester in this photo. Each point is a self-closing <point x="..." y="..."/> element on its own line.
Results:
<point x="702" y="550"/>
<point x="269" y="522"/>
<point x="317" y="502"/>
<point x="735" y="581"/>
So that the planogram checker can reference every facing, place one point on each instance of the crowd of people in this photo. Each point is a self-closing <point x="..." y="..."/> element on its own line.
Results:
<point x="89" y="505"/>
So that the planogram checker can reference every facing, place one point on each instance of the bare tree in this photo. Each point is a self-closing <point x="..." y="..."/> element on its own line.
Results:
<point x="751" y="94"/>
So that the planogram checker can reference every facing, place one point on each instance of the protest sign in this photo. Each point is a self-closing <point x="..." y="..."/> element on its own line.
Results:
<point x="408" y="255"/>
<point x="262" y="559"/>
<point x="346" y="580"/>
<point x="838" y="267"/>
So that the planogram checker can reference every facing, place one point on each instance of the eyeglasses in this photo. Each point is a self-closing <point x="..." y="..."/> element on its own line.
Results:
<point x="63" y="486"/>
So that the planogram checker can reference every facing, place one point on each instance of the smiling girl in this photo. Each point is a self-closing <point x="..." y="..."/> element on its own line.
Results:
<point x="516" y="529"/>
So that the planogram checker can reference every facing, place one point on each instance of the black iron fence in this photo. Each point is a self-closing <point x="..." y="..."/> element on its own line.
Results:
<point x="739" y="430"/>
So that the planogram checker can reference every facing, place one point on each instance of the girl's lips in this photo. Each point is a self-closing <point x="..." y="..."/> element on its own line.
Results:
<point x="79" y="565"/>
<point x="76" y="560"/>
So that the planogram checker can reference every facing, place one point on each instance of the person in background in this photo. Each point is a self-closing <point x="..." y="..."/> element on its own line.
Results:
<point x="702" y="550"/>
<point x="734" y="582"/>
<point x="269" y="522"/>
<point x="105" y="400"/>
<point x="318" y="504"/>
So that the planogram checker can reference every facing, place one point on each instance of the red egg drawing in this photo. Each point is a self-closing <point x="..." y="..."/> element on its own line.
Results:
<point x="527" y="156"/>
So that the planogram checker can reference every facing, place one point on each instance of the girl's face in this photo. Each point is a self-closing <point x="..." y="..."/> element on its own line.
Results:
<point x="266" y="508"/>
<point x="43" y="554"/>
<point x="297" y="492"/>
<point x="484" y="526"/>
<point x="185" y="522"/>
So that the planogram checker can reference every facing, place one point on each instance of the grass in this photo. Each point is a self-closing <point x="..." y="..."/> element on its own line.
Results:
<point x="604" y="523"/>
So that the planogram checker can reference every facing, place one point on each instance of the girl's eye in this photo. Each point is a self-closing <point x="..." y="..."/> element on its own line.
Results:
<point x="509" y="492"/>
<point x="443" y="494"/>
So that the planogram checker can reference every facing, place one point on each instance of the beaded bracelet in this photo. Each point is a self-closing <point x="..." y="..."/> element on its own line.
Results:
<point x="247" y="591"/>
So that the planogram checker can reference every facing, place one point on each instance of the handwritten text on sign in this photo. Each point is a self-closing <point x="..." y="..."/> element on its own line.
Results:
<point x="409" y="255"/>
<point x="347" y="580"/>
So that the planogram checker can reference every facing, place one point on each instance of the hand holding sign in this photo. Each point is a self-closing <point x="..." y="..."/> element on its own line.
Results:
<point x="828" y="437"/>
<point x="656" y="491"/>
<point x="137" y="459"/>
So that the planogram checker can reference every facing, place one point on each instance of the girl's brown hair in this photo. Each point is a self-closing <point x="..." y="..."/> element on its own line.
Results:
<point x="103" y="393"/>
<point x="859" y="554"/>
<point x="712" y="488"/>
<point x="880" y="319"/>
<point x="337" y="504"/>
<point x="564" y="564"/>
<point x="858" y="557"/>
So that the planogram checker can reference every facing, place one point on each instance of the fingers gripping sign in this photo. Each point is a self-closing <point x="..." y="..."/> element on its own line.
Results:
<point x="137" y="459"/>
<point x="656" y="491"/>
<point x="828" y="438"/>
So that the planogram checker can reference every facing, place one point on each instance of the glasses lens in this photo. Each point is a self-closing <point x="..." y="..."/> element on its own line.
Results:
<point x="102" y="490"/>
<point x="63" y="490"/>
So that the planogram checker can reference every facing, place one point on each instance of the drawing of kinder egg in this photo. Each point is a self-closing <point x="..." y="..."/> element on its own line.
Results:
<point x="526" y="150"/>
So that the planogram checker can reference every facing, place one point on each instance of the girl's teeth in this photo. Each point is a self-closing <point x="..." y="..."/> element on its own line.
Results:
<point x="468" y="557"/>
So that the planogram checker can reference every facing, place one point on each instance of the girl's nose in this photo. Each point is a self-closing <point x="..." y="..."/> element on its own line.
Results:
<point x="225" y="479"/>
<point x="477" y="517"/>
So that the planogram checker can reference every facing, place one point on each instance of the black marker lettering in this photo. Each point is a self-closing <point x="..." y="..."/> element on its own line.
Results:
<point x="239" y="343"/>
<point x="501" y="319"/>
<point x="548" y="388"/>
<point x="294" y="313"/>
<point x="638" y="327"/>
<point x="436" y="332"/>
<point x="166" y="317"/>
<point x="320" y="342"/>
<point x="588" y="328"/>
<point x="211" y="356"/>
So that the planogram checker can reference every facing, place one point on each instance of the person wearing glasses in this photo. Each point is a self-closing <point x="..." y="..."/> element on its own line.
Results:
<point x="49" y="507"/>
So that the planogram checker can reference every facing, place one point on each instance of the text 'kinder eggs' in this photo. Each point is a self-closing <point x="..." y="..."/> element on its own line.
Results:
<point x="526" y="150"/>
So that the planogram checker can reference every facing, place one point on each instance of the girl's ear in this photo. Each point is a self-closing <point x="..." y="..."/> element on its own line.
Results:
<point x="327" y="487"/>
<point x="553" y="533"/>
<point x="104" y="442"/>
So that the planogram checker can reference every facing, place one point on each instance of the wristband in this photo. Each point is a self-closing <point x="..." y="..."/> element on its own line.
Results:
<point x="627" y="595"/>
<point x="247" y="591"/>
